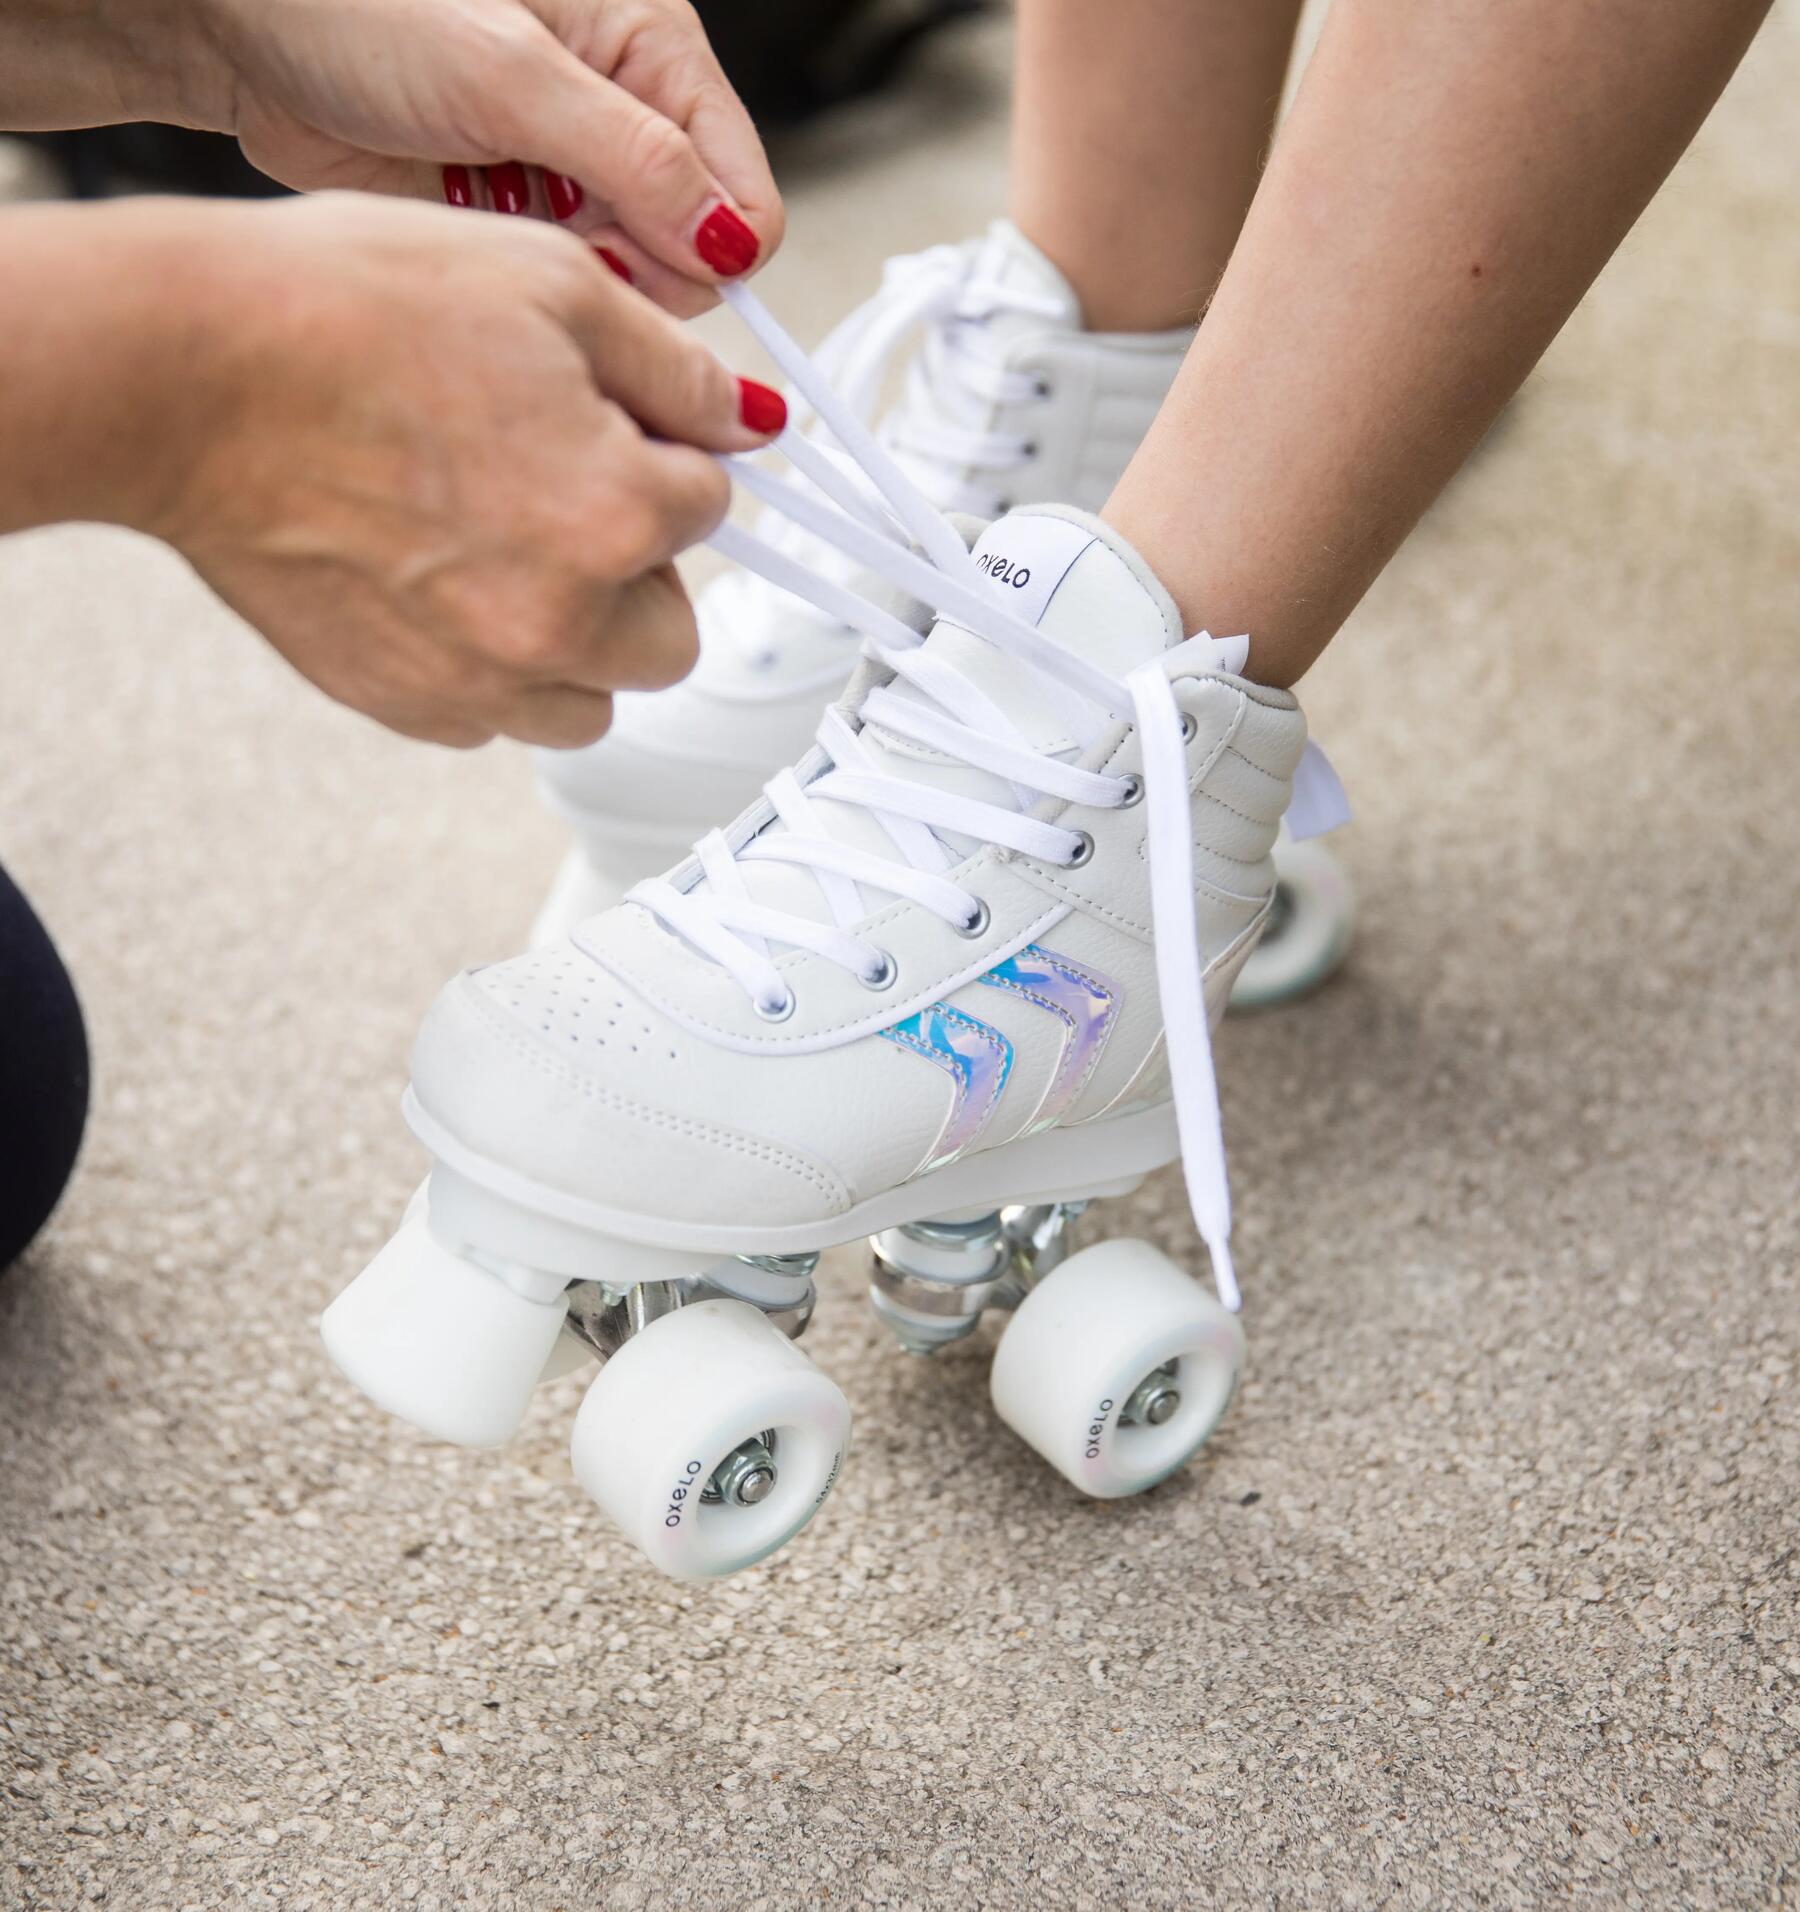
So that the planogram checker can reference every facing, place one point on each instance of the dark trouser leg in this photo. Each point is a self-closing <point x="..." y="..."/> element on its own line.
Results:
<point x="43" y="1074"/>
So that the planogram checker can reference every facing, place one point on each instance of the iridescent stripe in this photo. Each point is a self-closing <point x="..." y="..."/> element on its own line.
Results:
<point x="1088" y="1005"/>
<point x="977" y="1059"/>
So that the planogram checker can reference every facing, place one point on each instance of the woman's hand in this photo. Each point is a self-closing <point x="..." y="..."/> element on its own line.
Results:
<point x="437" y="481"/>
<point x="610" y="115"/>
<point x="425" y="455"/>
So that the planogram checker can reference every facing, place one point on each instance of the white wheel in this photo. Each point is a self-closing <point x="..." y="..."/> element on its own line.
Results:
<point x="441" y="1342"/>
<point x="1116" y="1367"/>
<point x="1309" y="929"/>
<point x="709" y="1439"/>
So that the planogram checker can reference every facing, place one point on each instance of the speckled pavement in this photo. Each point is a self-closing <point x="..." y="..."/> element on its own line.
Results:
<point x="1488" y="1593"/>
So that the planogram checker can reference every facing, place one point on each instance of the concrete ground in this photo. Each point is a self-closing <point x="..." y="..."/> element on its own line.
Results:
<point x="1487" y="1593"/>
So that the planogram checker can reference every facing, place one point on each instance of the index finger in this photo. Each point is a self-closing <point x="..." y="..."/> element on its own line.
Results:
<point x="659" y="372"/>
<point x="638" y="160"/>
<point x="670" y="65"/>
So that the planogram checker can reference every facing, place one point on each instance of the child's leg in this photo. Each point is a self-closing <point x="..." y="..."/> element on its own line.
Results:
<point x="1139" y="128"/>
<point x="1450" y="181"/>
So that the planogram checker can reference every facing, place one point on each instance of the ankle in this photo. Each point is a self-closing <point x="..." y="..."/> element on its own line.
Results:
<point x="1285" y="638"/>
<point x="1117" y="294"/>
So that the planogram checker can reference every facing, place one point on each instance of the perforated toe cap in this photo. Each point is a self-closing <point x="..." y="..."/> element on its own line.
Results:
<point x="579" y="1013"/>
<point x="547" y="1067"/>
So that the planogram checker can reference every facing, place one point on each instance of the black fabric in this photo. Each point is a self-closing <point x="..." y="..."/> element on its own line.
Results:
<point x="99" y="161"/>
<point x="790" y="59"/>
<point x="43" y="1073"/>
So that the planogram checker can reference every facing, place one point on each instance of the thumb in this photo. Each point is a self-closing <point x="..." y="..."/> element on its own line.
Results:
<point x="662" y="375"/>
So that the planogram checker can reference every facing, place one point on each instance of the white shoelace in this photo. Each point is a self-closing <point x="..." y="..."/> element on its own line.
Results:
<point x="937" y="430"/>
<point x="947" y="713"/>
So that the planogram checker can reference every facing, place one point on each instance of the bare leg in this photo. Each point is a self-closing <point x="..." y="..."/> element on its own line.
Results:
<point x="1451" y="179"/>
<point x="1139" y="128"/>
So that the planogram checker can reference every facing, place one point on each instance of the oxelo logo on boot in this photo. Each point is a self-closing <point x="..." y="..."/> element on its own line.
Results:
<point x="1005" y="570"/>
<point x="1028" y="556"/>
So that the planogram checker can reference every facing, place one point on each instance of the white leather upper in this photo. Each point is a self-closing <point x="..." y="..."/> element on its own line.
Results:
<point x="627" y="1068"/>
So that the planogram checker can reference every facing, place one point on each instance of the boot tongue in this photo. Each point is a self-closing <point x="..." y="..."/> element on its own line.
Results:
<point x="1083" y="587"/>
<point x="1005" y="257"/>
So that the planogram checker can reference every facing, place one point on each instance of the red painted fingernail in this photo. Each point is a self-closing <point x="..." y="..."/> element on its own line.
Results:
<point x="763" y="409"/>
<point x="459" y="188"/>
<point x="564" y="195"/>
<point x="508" y="188"/>
<point x="726" y="243"/>
<point x="617" y="264"/>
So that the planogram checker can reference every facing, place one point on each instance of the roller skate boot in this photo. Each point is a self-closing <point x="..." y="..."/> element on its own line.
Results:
<point x="949" y="979"/>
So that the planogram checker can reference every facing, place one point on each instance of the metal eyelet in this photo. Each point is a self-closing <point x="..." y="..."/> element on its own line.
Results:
<point x="780" y="1011"/>
<point x="977" y="925"/>
<point x="1029" y="449"/>
<point x="1084" y="851"/>
<point x="1190" y="726"/>
<point x="1134" y="790"/>
<point x="1042" y="387"/>
<point x="883" y="977"/>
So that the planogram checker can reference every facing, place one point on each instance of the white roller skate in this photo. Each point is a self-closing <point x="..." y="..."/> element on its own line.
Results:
<point x="1005" y="401"/>
<point x="950" y="978"/>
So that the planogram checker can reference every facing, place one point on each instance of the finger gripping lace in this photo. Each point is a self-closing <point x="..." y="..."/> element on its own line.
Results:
<point x="883" y="522"/>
